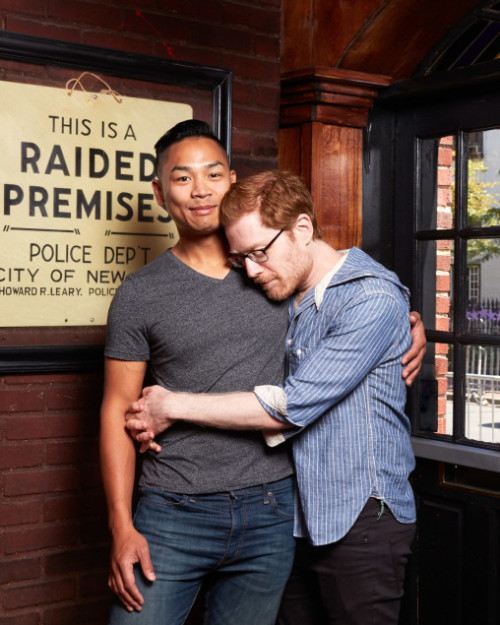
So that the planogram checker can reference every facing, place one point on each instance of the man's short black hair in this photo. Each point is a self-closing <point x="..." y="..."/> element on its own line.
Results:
<point x="183" y="130"/>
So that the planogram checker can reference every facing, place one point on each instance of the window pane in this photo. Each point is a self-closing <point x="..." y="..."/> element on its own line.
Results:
<point x="437" y="183"/>
<point x="436" y="261"/>
<point x="436" y="390"/>
<point x="483" y="286"/>
<point x="483" y="190"/>
<point x="482" y="393"/>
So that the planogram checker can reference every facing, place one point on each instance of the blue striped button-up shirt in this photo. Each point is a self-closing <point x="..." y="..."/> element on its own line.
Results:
<point x="346" y="397"/>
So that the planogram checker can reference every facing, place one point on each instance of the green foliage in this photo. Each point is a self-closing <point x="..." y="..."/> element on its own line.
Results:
<point x="481" y="212"/>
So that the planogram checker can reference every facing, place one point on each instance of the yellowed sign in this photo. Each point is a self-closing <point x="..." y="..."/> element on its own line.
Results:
<point x="77" y="211"/>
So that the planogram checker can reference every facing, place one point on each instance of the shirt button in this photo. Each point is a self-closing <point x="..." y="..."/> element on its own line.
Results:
<point x="299" y="352"/>
<point x="289" y="341"/>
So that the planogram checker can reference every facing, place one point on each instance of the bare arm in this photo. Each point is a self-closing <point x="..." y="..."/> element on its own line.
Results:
<point x="158" y="409"/>
<point x="413" y="358"/>
<point x="123" y="384"/>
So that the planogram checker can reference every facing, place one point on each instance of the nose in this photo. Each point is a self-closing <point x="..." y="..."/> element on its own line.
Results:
<point x="200" y="187"/>
<point x="253" y="269"/>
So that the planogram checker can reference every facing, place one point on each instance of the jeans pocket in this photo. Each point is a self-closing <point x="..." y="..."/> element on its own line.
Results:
<point x="282" y="502"/>
<point x="162" y="498"/>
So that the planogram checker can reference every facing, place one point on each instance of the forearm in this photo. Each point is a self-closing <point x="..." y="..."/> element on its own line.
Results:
<point x="129" y="548"/>
<point x="118" y="456"/>
<point x="229" y="411"/>
<point x="123" y="383"/>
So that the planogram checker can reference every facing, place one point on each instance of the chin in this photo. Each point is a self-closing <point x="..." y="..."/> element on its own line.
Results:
<point x="207" y="228"/>
<point x="279" y="293"/>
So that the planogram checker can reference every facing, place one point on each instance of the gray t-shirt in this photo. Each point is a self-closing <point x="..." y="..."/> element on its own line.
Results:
<point x="202" y="335"/>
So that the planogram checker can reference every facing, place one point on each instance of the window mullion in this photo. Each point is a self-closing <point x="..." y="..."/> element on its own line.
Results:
<point x="460" y="288"/>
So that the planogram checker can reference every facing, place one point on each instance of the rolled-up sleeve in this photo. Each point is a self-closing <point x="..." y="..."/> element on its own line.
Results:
<point x="273" y="400"/>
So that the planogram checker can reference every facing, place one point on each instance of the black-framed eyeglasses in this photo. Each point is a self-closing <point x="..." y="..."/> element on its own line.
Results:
<point x="256" y="256"/>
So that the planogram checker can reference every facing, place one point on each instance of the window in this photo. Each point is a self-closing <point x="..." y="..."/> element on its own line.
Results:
<point x="431" y="212"/>
<point x="457" y="261"/>
<point x="474" y="283"/>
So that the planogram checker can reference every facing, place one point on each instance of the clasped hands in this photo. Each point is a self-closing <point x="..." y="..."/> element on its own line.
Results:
<point x="151" y="414"/>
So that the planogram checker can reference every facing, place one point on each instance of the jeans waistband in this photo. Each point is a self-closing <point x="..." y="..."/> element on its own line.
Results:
<point x="258" y="489"/>
<point x="285" y="482"/>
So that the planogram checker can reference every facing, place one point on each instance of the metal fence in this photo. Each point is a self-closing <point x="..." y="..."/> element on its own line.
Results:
<point x="485" y="362"/>
<point x="482" y="407"/>
<point x="483" y="317"/>
<point x="482" y="393"/>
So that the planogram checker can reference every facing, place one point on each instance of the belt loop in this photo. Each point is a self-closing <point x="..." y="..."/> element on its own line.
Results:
<point x="266" y="492"/>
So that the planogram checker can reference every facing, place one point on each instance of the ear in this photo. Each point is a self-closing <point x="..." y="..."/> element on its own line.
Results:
<point x="303" y="228"/>
<point x="232" y="176"/>
<point x="158" y="191"/>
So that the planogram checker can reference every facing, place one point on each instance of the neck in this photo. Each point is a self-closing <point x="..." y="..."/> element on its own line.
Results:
<point x="323" y="258"/>
<point x="206" y="254"/>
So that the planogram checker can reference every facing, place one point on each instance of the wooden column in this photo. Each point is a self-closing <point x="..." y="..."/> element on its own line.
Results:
<point x="322" y="115"/>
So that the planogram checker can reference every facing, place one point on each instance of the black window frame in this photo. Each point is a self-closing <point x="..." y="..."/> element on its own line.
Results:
<point x="439" y="105"/>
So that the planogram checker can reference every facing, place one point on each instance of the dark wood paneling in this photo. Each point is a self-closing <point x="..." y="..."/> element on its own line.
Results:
<point x="455" y="574"/>
<point x="330" y="107"/>
<point x="441" y="557"/>
<point x="381" y="37"/>
<point x="289" y="148"/>
<point x="336" y="183"/>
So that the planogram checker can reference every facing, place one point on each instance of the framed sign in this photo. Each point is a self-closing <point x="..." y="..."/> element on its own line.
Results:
<point x="77" y="212"/>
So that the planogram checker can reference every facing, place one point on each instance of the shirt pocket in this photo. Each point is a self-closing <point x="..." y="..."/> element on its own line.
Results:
<point x="296" y="354"/>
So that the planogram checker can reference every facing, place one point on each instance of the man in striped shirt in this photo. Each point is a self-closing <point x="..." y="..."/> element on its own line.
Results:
<point x="342" y="402"/>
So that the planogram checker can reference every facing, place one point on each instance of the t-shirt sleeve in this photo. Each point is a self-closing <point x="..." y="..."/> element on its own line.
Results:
<point x="126" y="333"/>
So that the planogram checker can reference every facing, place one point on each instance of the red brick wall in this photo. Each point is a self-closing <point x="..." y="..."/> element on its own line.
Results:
<point x="444" y="253"/>
<point x="54" y="547"/>
<point x="241" y="35"/>
<point x="53" y="536"/>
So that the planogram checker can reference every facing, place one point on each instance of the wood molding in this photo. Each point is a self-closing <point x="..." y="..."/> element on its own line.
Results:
<point x="328" y="158"/>
<point x="327" y="95"/>
<point x="322" y="116"/>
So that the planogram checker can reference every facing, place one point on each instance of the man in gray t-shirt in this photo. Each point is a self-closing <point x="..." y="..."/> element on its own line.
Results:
<point x="215" y="507"/>
<point x="152" y="318"/>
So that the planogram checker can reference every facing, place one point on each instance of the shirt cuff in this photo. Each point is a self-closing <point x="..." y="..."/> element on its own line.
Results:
<point x="273" y="396"/>
<point x="274" y="399"/>
<point x="273" y="439"/>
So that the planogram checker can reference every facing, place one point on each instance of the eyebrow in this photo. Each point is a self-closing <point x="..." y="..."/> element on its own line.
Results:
<point x="256" y="248"/>
<point x="190" y="167"/>
<point x="251" y="249"/>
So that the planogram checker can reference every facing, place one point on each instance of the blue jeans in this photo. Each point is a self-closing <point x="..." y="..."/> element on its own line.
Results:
<point x="239" y="543"/>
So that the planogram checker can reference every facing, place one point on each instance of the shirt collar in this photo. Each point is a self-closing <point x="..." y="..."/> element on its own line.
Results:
<point x="320" y="288"/>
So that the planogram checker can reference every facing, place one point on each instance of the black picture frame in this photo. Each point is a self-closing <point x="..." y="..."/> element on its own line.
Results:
<point x="216" y="81"/>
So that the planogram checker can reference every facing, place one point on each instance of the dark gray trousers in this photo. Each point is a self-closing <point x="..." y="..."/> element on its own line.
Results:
<point x="357" y="581"/>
